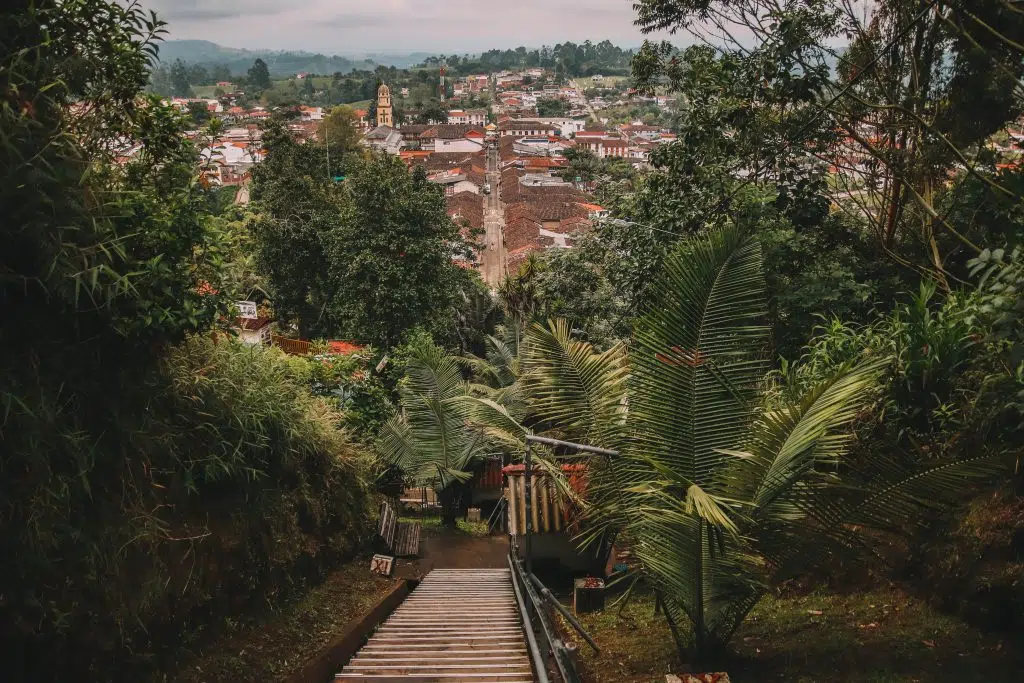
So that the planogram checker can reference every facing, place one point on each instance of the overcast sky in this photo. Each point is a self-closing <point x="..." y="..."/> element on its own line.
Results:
<point x="446" y="26"/>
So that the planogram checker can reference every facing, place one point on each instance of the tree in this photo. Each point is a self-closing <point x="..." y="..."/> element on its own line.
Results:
<point x="392" y="253"/>
<point x="340" y="130"/>
<point x="180" y="82"/>
<point x="199" y="114"/>
<point x="908" y="106"/>
<point x="724" y="491"/>
<point x="259" y="74"/>
<point x="584" y="166"/>
<point x="443" y="430"/>
<point x="198" y="75"/>
<point x="367" y="258"/>
<point x="433" y="113"/>
<point x="297" y="207"/>
<point x="220" y="73"/>
<point x="552" y="106"/>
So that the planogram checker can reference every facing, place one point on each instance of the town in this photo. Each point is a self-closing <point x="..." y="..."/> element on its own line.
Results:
<point x="505" y="169"/>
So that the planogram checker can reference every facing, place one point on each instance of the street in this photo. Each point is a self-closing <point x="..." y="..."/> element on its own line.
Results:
<point x="493" y="255"/>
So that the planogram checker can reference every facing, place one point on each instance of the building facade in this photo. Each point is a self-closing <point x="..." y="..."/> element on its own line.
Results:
<point x="385" y="114"/>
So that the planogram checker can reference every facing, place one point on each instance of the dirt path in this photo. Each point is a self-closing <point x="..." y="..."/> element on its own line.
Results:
<point x="440" y="549"/>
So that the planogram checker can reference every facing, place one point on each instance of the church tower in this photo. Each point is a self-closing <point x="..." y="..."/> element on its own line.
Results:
<point x="384" y="114"/>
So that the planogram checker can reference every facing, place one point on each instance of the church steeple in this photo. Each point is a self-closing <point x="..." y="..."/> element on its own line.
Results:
<point x="384" y="112"/>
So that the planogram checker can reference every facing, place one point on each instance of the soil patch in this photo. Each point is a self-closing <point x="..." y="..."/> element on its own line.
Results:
<point x="279" y="643"/>
<point x="883" y="636"/>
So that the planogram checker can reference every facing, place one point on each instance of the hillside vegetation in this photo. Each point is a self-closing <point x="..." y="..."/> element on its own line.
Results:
<point x="155" y="474"/>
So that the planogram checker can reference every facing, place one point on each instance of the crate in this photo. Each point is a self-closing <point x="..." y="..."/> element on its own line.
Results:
<point x="588" y="595"/>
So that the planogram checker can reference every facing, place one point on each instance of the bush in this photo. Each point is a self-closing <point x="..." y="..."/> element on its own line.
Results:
<point x="215" y="483"/>
<point x="351" y="384"/>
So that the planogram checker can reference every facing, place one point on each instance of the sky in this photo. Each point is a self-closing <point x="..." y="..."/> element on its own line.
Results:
<point x="399" y="26"/>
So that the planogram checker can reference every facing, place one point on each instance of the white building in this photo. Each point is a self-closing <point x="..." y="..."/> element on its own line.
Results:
<point x="253" y="331"/>
<point x="311" y="113"/>
<point x="472" y="117"/>
<point x="453" y="138"/>
<point x="454" y="181"/>
<point x="567" y="126"/>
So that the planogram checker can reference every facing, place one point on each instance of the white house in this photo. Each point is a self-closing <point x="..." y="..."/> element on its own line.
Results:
<point x="455" y="180"/>
<point x="566" y="126"/>
<point x="472" y="117"/>
<point x="253" y="331"/>
<point x="520" y="128"/>
<point x="453" y="138"/>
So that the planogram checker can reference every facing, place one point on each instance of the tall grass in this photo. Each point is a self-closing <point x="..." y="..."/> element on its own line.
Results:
<point x="135" y="510"/>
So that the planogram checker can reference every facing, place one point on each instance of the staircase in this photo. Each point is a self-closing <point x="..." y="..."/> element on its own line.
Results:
<point x="457" y="626"/>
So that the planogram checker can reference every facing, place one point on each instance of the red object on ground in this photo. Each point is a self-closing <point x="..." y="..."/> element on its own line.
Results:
<point x="343" y="347"/>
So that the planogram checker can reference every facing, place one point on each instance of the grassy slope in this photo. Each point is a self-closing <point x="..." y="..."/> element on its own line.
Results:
<point x="882" y="636"/>
<point x="608" y="82"/>
<point x="276" y="645"/>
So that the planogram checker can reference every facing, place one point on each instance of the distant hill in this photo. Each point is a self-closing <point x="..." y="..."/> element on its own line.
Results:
<point x="280" y="63"/>
<point x="399" y="61"/>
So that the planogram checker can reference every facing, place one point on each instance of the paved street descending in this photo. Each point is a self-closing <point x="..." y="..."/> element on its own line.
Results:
<point x="493" y="254"/>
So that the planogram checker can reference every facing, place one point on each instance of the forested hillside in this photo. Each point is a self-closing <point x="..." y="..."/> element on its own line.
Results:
<point x="235" y="62"/>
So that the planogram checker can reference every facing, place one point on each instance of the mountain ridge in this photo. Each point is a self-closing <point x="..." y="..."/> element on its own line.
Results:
<point x="280" y="62"/>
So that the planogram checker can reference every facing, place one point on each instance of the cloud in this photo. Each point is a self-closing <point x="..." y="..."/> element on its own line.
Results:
<point x="199" y="11"/>
<point x="352" y="26"/>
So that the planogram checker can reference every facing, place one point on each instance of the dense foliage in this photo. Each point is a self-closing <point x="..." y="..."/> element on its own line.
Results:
<point x="362" y="250"/>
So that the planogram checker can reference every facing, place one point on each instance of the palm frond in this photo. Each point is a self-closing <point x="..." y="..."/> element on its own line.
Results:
<point x="574" y="388"/>
<point x="700" y="354"/>
<point x="443" y="427"/>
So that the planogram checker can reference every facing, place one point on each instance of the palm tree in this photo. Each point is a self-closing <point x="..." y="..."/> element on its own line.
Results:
<point x="720" y="494"/>
<point x="442" y="429"/>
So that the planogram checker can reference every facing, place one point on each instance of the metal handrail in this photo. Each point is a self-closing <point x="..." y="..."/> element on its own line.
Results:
<point x="528" y="483"/>
<point x="531" y="639"/>
<point x="554" y="602"/>
<point x="495" y="517"/>
<point x="550" y="646"/>
<point x="523" y="580"/>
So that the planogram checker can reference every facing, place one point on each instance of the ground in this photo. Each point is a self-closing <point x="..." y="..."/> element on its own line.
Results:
<point x="879" y="636"/>
<point x="275" y="644"/>
<point x="272" y="646"/>
<point x="469" y="546"/>
<point x="608" y="82"/>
